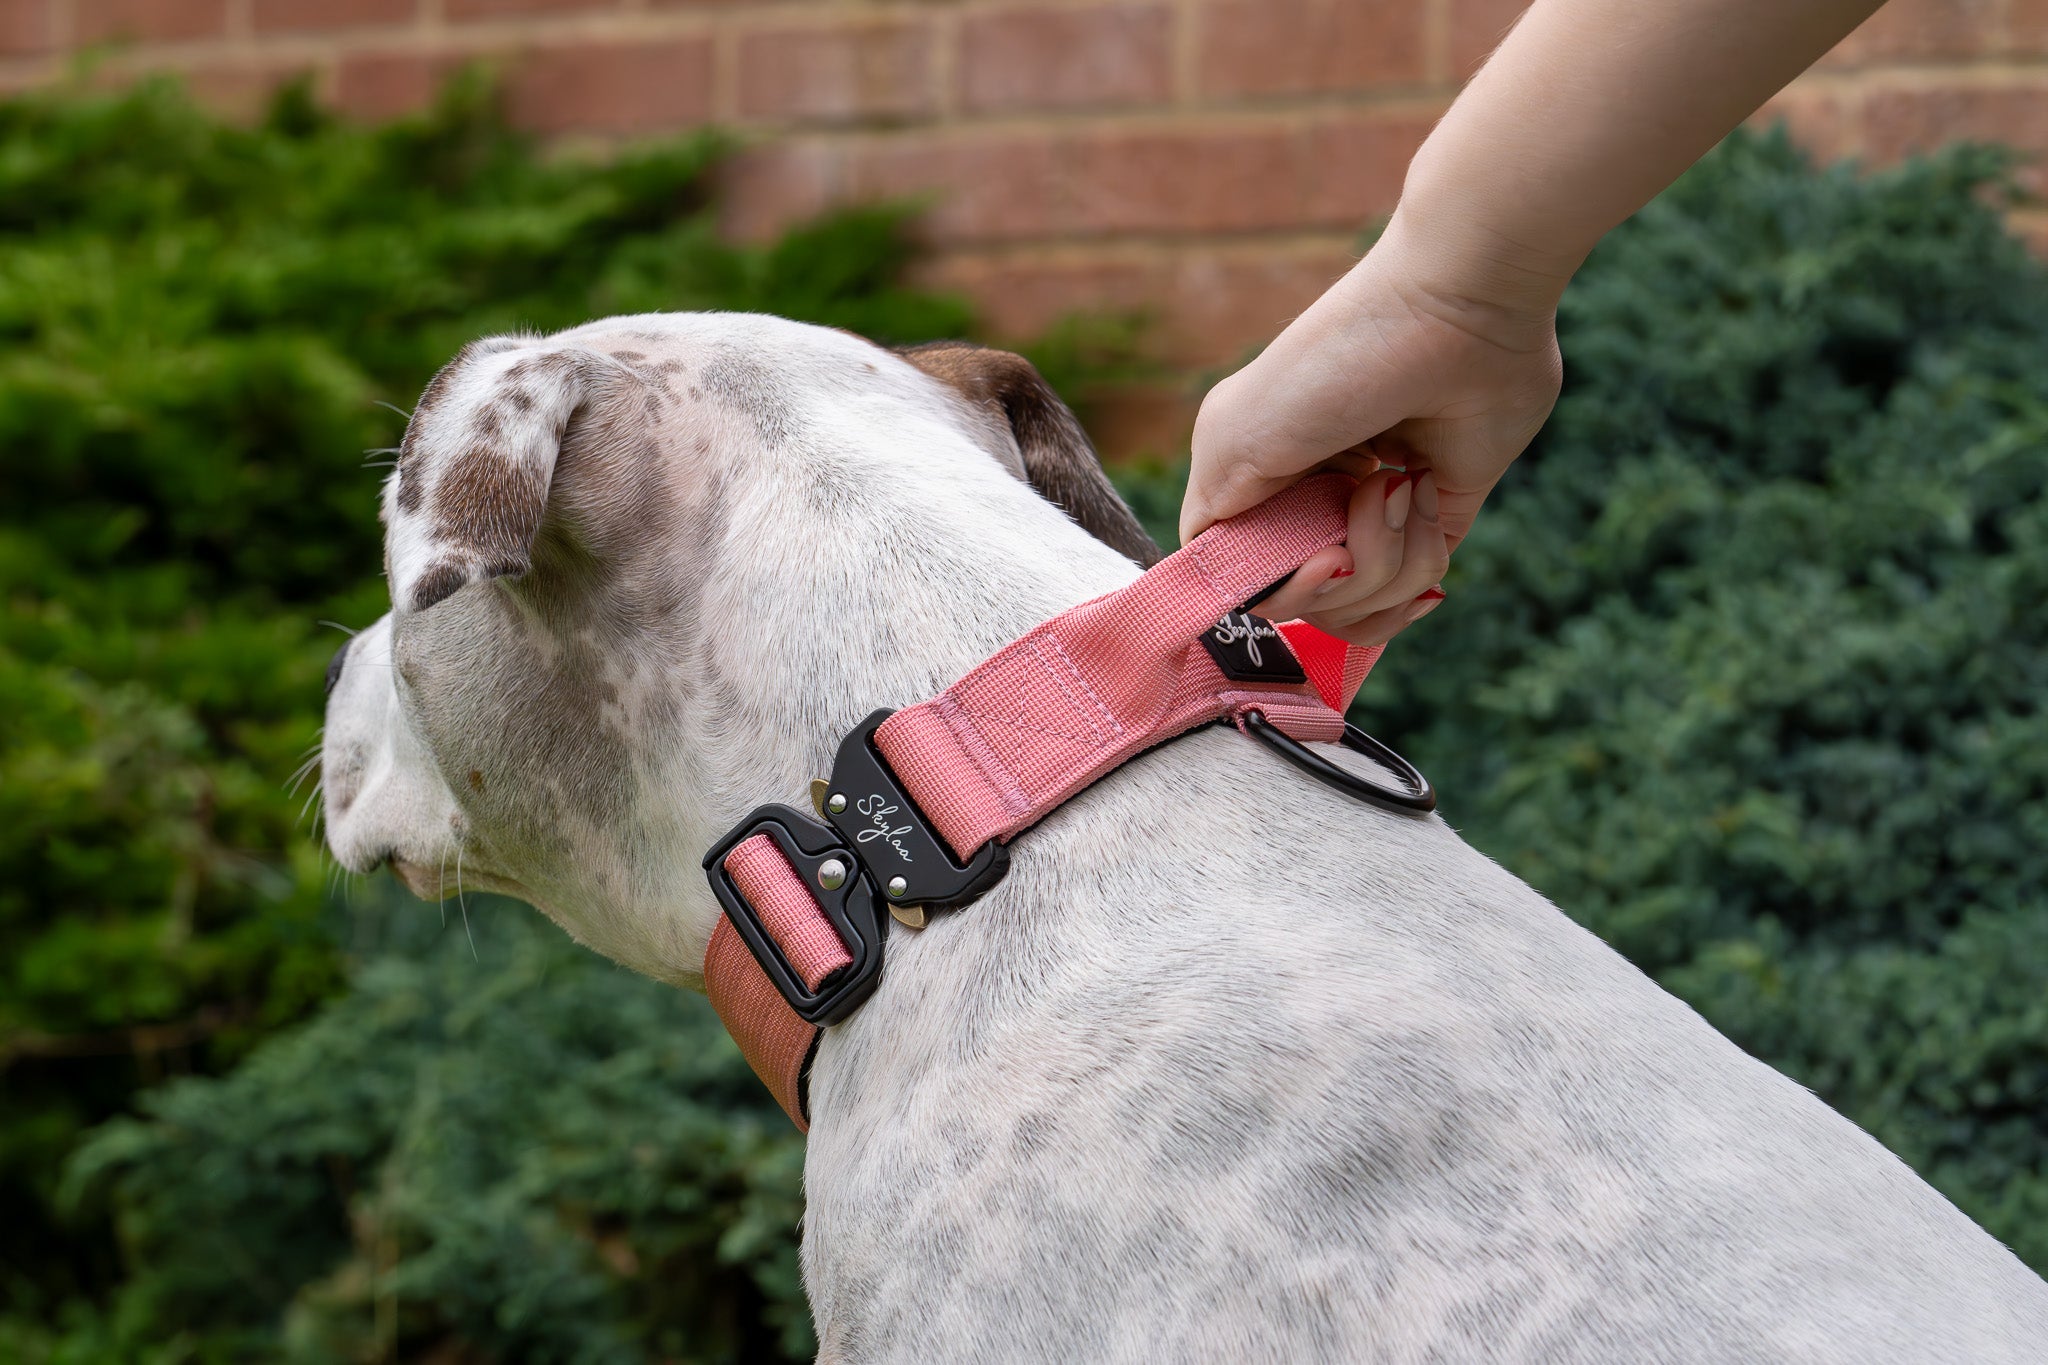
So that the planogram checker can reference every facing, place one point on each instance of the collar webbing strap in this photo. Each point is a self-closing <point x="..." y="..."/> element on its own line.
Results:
<point x="1037" y="722"/>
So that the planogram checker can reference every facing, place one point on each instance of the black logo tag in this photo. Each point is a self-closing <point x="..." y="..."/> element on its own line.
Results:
<point x="1250" y="648"/>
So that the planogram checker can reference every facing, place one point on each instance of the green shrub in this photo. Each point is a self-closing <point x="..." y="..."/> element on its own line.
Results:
<point x="205" y="334"/>
<point x="511" y="1151"/>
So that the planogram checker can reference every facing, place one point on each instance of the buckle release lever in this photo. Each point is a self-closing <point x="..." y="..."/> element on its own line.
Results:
<point x="908" y="859"/>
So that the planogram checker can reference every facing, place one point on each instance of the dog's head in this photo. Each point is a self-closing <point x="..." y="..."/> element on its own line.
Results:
<point x="644" y="574"/>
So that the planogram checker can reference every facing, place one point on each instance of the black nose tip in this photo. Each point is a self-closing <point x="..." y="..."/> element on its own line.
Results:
<point x="334" y="665"/>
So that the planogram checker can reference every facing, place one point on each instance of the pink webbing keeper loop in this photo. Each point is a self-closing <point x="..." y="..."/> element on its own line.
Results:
<point x="775" y="1042"/>
<point x="1056" y="709"/>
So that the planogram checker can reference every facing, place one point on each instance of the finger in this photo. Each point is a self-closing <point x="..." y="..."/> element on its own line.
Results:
<point x="1379" y="512"/>
<point x="1424" y="555"/>
<point x="1342" y="573"/>
<point x="1330" y="564"/>
<point x="1359" y="462"/>
<point x="1382" y="626"/>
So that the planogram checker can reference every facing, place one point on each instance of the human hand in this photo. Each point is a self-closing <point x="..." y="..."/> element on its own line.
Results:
<point x="1393" y="366"/>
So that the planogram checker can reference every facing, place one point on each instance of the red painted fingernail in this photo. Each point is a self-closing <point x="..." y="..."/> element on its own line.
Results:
<point x="1395" y="481"/>
<point x="1343" y="573"/>
<point x="1430" y="595"/>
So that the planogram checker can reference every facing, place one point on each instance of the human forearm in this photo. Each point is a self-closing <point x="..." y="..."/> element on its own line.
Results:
<point x="1584" y="113"/>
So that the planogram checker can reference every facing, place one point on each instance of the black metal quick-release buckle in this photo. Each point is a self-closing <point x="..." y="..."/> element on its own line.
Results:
<point x="829" y="872"/>
<point x="886" y="853"/>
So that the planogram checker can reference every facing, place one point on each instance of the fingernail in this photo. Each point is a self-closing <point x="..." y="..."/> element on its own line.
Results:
<point x="1423" y="606"/>
<point x="1343" y="573"/>
<point x="1398" y="491"/>
<point x="1330" y="584"/>
<point x="1435" y="594"/>
<point x="1425" y="499"/>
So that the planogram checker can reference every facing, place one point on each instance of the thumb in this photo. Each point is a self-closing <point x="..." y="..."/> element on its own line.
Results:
<point x="1214" y="494"/>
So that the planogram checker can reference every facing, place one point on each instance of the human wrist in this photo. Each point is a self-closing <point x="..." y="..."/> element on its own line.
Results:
<point x="1451" y="277"/>
<point x="1466" y="243"/>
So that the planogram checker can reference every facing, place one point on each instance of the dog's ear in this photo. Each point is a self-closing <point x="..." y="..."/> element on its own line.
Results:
<point x="1032" y="430"/>
<point x="466" y="500"/>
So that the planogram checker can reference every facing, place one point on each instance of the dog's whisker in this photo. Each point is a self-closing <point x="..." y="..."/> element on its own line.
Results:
<point x="312" y="802"/>
<point x="392" y="407"/>
<point x="459" y="900"/>
<point x="301" y="773"/>
<point x="349" y="631"/>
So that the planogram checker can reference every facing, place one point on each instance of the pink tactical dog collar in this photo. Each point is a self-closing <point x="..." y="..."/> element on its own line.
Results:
<point x="800" y="944"/>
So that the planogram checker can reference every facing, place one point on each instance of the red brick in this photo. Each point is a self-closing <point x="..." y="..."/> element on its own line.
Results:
<point x="981" y="189"/>
<point x="629" y="87"/>
<point x="492" y="9"/>
<point x="1477" y="26"/>
<point x="239" y="90"/>
<point x="1135" y="421"/>
<point x="24" y="27"/>
<point x="271" y="16"/>
<point x="1209" y="306"/>
<point x="1064" y="59"/>
<point x="1921" y="30"/>
<point x="99" y="21"/>
<point x="1899" y="122"/>
<point x="1222" y="304"/>
<point x="2031" y="227"/>
<point x="1356" y="165"/>
<point x="1291" y="47"/>
<point x="837" y="73"/>
<point x="766" y="189"/>
<point x="382" y="85"/>
<point x="2026" y="24"/>
<point x="1817" y="120"/>
<point x="1186" y="180"/>
<point x="1018" y="296"/>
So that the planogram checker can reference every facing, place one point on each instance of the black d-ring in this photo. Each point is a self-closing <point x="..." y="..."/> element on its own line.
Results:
<point x="1419" y="799"/>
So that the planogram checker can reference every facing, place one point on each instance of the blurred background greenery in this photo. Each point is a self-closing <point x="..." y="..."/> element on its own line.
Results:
<point x="1744" y="668"/>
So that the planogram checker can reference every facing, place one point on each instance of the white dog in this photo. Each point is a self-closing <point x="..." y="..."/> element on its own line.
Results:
<point x="1229" y="1068"/>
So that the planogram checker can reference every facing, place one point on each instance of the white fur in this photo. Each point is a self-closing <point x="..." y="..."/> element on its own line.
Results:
<point x="1228" y="1068"/>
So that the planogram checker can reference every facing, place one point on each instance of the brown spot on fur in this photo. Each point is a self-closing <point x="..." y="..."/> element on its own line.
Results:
<point x="490" y="424"/>
<point x="476" y="779"/>
<point x="408" y="489"/>
<point x="437" y="584"/>
<point x="629" y="356"/>
<point x="485" y="502"/>
<point x="520" y="400"/>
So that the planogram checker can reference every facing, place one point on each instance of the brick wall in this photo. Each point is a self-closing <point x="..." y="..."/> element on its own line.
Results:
<point x="1210" y="160"/>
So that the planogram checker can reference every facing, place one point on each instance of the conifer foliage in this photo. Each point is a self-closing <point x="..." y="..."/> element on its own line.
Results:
<point x="206" y="334"/>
